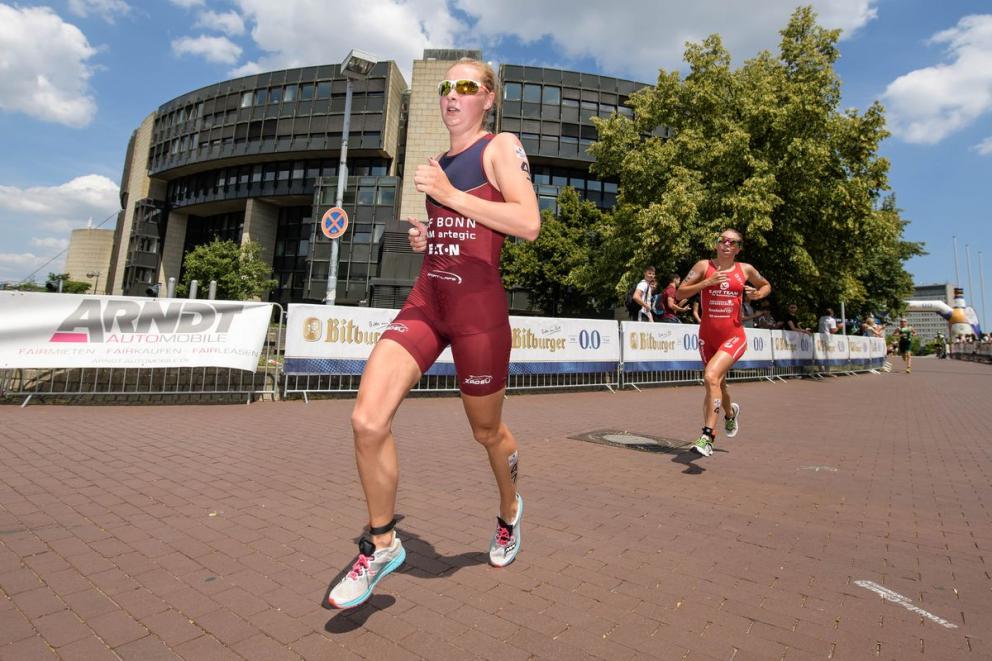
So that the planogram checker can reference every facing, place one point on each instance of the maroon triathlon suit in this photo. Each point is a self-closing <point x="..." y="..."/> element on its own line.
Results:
<point x="458" y="298"/>
<point x="722" y="328"/>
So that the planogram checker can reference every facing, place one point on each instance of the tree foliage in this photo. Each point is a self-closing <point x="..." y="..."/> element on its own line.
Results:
<point x="764" y="149"/>
<point x="550" y="267"/>
<point x="69" y="286"/>
<point x="240" y="272"/>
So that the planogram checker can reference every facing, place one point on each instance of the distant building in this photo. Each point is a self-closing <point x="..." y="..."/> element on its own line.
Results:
<point x="257" y="158"/>
<point x="928" y="324"/>
<point x="90" y="252"/>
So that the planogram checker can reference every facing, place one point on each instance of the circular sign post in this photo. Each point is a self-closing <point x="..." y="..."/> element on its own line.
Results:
<point x="334" y="223"/>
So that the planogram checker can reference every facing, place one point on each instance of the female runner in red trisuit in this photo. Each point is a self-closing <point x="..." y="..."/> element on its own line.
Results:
<point x="723" y="283"/>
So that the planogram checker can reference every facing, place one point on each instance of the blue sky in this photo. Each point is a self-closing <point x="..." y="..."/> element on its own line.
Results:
<point x="77" y="76"/>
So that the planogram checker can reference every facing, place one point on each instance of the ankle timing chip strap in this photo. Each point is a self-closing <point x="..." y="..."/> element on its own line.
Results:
<point x="382" y="530"/>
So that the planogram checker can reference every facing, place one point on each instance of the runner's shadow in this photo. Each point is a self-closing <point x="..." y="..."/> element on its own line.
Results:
<point x="355" y="618"/>
<point x="688" y="459"/>
<point x="423" y="560"/>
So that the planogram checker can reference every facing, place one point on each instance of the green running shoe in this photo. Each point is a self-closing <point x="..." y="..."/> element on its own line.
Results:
<point x="730" y="424"/>
<point x="703" y="445"/>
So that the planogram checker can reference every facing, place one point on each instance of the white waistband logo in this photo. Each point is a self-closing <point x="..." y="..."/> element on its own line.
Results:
<point x="478" y="380"/>
<point x="446" y="276"/>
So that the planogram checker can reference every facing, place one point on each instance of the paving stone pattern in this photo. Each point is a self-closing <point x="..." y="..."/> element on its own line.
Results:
<point x="211" y="532"/>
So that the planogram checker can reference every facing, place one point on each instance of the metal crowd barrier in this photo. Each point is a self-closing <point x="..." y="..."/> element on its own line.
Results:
<point x="305" y="385"/>
<point x="976" y="352"/>
<point x="141" y="382"/>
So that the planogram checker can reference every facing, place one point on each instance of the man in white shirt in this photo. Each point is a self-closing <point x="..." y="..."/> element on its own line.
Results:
<point x="643" y="294"/>
<point x="827" y="323"/>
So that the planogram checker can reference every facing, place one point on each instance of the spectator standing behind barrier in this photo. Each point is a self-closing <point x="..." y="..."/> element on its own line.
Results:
<point x="870" y="329"/>
<point x="827" y="323"/>
<point x="697" y="315"/>
<point x="766" y="320"/>
<point x="642" y="296"/>
<point x="669" y="301"/>
<point x="791" y="322"/>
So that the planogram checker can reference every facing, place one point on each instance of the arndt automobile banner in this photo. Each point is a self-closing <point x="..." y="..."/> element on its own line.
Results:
<point x="70" y="330"/>
<point x="830" y="350"/>
<point x="323" y="339"/>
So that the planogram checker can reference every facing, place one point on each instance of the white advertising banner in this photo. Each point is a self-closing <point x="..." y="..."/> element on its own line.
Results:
<point x="41" y="330"/>
<point x="323" y="339"/>
<point x="649" y="347"/>
<point x="877" y="349"/>
<point x="859" y="349"/>
<point x="830" y="349"/>
<point x="792" y="348"/>
<point x="759" y="349"/>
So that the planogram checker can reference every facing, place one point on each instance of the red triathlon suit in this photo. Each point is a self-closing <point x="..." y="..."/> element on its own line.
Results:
<point x="458" y="298"/>
<point x="722" y="328"/>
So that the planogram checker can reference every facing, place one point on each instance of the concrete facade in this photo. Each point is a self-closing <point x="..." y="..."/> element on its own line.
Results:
<point x="172" y="248"/>
<point x="426" y="134"/>
<point x="261" y="225"/>
<point x="89" y="252"/>
<point x="135" y="187"/>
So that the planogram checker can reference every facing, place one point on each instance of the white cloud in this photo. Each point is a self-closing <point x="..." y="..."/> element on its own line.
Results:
<point x="230" y="23"/>
<point x="82" y="197"/>
<point x="35" y="221"/>
<point x="295" y="33"/>
<point x="43" y="66"/>
<point x="108" y="10"/>
<point x="49" y="243"/>
<point x="984" y="147"/>
<point x="607" y="34"/>
<point x="186" y="4"/>
<point x="214" y="49"/>
<point x="927" y="105"/>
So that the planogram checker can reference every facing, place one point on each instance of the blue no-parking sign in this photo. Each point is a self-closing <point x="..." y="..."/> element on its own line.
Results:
<point x="334" y="223"/>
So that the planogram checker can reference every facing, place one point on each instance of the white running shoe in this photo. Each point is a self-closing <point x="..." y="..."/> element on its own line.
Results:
<point x="732" y="425"/>
<point x="371" y="566"/>
<point x="703" y="445"/>
<point x="505" y="544"/>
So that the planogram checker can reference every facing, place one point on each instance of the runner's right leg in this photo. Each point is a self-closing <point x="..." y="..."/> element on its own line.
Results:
<point x="389" y="374"/>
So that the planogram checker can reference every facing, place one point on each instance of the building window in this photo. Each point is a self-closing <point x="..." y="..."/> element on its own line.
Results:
<point x="552" y="96"/>
<point x="246" y="100"/>
<point x="289" y="93"/>
<point x="306" y="92"/>
<point x="260" y="97"/>
<point x="511" y="92"/>
<point x="324" y="90"/>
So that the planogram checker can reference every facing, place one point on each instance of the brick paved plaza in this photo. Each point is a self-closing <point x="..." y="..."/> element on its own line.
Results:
<point x="211" y="532"/>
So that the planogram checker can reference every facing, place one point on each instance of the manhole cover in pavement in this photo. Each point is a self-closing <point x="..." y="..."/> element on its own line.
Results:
<point x="632" y="440"/>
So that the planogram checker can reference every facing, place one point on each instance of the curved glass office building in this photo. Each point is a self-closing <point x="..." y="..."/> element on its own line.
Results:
<point x="257" y="158"/>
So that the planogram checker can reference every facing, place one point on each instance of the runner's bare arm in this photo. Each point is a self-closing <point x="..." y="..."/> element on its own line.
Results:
<point x="694" y="282"/>
<point x="755" y="278"/>
<point x="506" y="162"/>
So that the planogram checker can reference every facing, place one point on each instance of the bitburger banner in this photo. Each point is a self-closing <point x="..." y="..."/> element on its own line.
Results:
<point x="40" y="330"/>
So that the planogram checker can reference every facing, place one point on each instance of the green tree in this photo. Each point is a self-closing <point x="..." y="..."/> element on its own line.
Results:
<point x="549" y="267"/>
<point x="69" y="286"/>
<point x="239" y="271"/>
<point x="763" y="149"/>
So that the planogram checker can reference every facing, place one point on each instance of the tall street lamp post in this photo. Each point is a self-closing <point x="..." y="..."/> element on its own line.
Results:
<point x="356" y="66"/>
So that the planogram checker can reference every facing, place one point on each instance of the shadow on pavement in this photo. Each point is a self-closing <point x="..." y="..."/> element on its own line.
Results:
<point x="355" y="618"/>
<point x="688" y="458"/>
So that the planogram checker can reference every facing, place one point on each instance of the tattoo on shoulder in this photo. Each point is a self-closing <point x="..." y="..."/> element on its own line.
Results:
<point x="692" y="274"/>
<point x="521" y="154"/>
<point x="525" y="167"/>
